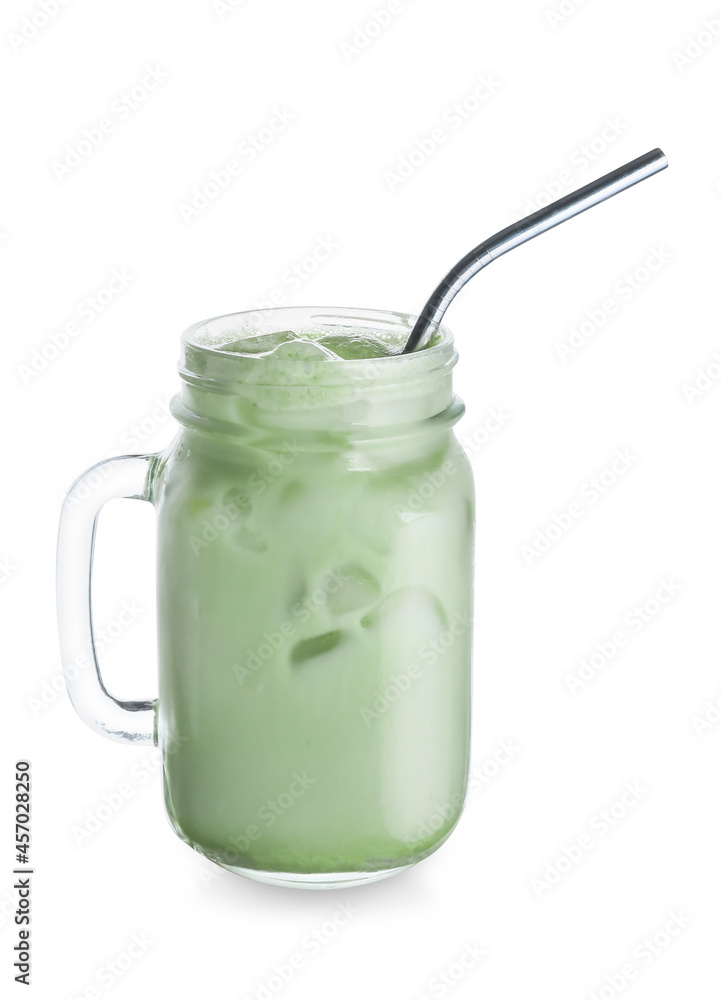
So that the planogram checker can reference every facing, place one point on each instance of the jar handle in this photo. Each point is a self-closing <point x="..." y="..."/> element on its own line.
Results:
<point x="129" y="477"/>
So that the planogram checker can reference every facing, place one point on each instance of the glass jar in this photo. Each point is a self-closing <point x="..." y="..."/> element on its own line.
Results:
<point x="315" y="571"/>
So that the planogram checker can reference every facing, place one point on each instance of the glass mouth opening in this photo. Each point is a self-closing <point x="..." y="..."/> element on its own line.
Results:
<point x="320" y="346"/>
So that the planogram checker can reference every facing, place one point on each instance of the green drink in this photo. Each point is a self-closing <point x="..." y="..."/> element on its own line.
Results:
<point x="315" y="540"/>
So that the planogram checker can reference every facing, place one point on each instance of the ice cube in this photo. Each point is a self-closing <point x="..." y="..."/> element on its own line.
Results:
<point x="251" y="541"/>
<point x="306" y="649"/>
<point x="302" y="350"/>
<point x="357" y="589"/>
<point x="261" y="344"/>
<point x="356" y="347"/>
<point x="433" y="548"/>
<point x="409" y="612"/>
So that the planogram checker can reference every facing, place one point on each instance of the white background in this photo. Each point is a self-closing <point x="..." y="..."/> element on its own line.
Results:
<point x="356" y="113"/>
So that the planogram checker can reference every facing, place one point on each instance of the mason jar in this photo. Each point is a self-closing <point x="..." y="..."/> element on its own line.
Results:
<point x="315" y="608"/>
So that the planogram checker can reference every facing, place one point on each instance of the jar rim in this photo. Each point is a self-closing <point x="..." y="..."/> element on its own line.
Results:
<point x="205" y="362"/>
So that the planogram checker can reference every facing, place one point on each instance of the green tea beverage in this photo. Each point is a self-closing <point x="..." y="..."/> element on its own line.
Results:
<point x="315" y="554"/>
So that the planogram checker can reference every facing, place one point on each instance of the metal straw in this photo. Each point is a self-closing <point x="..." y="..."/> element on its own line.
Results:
<point x="533" y="225"/>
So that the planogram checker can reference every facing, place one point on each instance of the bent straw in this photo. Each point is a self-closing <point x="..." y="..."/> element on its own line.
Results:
<point x="520" y="232"/>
